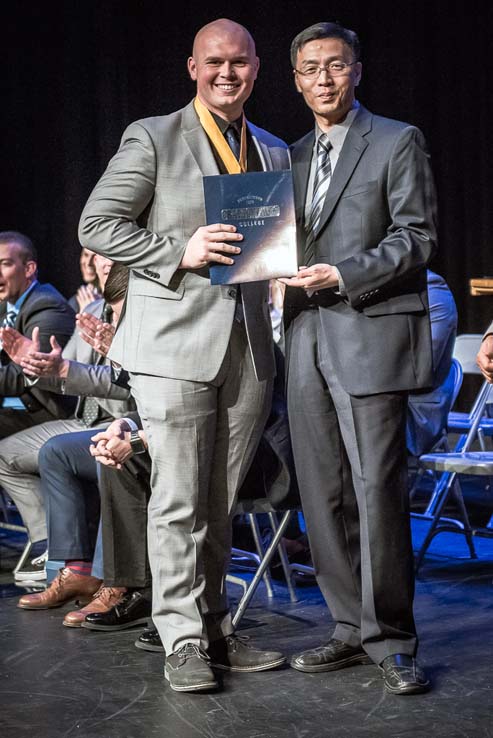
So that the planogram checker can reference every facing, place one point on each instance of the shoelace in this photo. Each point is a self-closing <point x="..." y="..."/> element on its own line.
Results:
<point x="105" y="594"/>
<point x="58" y="580"/>
<point x="189" y="650"/>
<point x="237" y="640"/>
<point x="40" y="559"/>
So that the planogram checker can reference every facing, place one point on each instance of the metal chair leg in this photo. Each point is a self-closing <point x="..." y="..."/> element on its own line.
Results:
<point x="245" y="600"/>
<point x="24" y="556"/>
<point x="286" y="566"/>
<point x="260" y="550"/>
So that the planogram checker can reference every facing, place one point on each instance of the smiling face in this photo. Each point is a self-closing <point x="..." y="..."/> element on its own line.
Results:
<point x="330" y="98"/>
<point x="102" y="265"/>
<point x="224" y="66"/>
<point x="16" y="273"/>
<point x="86" y="263"/>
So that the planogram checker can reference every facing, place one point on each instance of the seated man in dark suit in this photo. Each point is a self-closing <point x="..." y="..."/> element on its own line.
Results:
<point x="81" y="375"/>
<point x="24" y="304"/>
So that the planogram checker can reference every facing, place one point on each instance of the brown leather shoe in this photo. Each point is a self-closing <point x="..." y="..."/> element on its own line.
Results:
<point x="66" y="586"/>
<point x="104" y="599"/>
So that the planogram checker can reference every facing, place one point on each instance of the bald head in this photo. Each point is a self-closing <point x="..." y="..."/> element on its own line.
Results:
<point x="225" y="67"/>
<point x="222" y="28"/>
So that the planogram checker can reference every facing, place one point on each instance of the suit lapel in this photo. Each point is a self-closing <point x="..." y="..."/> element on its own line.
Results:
<point x="352" y="151"/>
<point x="196" y="140"/>
<point x="301" y="157"/>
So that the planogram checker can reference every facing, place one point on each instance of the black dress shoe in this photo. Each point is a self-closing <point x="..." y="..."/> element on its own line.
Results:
<point x="402" y="675"/>
<point x="134" y="609"/>
<point x="334" y="655"/>
<point x="149" y="640"/>
<point x="234" y="653"/>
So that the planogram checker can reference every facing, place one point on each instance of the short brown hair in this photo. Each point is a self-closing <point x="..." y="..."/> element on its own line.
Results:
<point x="27" y="249"/>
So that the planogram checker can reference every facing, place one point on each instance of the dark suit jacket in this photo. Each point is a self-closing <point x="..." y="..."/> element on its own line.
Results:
<point x="47" y="309"/>
<point x="378" y="228"/>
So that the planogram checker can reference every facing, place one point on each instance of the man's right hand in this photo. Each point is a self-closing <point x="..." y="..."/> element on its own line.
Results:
<point x="484" y="358"/>
<point x="18" y="346"/>
<point x="208" y="244"/>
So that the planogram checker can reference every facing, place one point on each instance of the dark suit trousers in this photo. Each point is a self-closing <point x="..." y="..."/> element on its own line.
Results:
<point x="350" y="458"/>
<point x="70" y="490"/>
<point x="124" y="497"/>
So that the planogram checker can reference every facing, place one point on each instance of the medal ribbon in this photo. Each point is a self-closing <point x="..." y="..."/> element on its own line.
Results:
<point x="233" y="166"/>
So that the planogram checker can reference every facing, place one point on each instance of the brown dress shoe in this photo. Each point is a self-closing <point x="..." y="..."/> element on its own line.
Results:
<point x="66" y="586"/>
<point x="104" y="599"/>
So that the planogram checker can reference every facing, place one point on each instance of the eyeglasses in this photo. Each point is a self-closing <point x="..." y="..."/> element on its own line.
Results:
<point x="335" y="69"/>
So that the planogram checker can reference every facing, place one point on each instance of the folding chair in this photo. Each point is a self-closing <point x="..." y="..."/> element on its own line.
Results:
<point x="453" y="383"/>
<point x="253" y="507"/>
<point x="466" y="348"/>
<point x="451" y="464"/>
<point x="5" y="524"/>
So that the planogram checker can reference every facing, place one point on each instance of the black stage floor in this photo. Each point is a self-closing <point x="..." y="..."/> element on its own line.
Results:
<point x="57" y="682"/>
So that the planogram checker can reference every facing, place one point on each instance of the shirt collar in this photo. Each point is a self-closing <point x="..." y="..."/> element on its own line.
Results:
<point x="16" y="306"/>
<point x="338" y="132"/>
<point x="223" y="125"/>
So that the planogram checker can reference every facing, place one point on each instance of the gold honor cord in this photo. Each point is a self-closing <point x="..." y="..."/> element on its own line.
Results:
<point x="233" y="166"/>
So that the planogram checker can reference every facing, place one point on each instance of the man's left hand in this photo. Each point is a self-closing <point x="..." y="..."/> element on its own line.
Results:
<point x="484" y="358"/>
<point x="94" y="332"/>
<point x="313" y="278"/>
<point x="112" y="447"/>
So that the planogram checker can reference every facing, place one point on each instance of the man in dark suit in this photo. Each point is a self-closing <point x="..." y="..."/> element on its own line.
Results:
<point x="74" y="373"/>
<point x="358" y="339"/>
<point x="24" y="304"/>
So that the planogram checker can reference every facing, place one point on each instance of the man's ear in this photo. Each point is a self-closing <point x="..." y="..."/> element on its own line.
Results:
<point x="296" y="84"/>
<point x="30" y="269"/>
<point x="192" y="68"/>
<point x="358" y="68"/>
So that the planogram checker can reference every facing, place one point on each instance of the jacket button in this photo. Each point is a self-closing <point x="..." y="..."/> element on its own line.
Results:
<point x="231" y="293"/>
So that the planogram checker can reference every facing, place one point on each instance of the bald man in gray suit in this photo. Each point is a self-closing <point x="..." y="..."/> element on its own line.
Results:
<point x="200" y="357"/>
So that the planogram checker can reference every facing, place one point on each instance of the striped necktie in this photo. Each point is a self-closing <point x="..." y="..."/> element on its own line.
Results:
<point x="321" y="183"/>
<point x="8" y="322"/>
<point x="9" y="319"/>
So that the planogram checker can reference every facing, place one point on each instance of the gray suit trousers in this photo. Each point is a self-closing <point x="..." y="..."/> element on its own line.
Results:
<point x="350" y="458"/>
<point x="202" y="438"/>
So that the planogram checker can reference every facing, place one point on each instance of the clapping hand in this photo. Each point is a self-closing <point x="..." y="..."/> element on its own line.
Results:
<point x="94" y="332"/>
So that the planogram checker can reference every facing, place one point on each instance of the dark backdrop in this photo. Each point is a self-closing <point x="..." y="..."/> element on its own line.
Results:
<point x="75" y="73"/>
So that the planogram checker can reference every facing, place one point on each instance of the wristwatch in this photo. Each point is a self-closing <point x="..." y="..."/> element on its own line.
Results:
<point x="136" y="443"/>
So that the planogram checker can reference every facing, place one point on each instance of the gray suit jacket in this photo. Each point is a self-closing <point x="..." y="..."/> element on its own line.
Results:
<point x="88" y="379"/>
<point x="175" y="323"/>
<point x="378" y="228"/>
